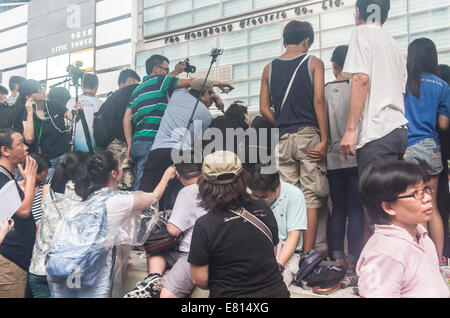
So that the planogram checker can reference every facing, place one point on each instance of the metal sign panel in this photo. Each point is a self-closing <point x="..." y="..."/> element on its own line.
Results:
<point x="59" y="27"/>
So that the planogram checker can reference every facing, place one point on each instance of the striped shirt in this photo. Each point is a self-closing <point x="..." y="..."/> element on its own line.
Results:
<point x="148" y="103"/>
<point x="36" y="208"/>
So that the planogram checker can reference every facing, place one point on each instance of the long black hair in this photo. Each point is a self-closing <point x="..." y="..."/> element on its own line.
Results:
<point x="67" y="170"/>
<point x="94" y="174"/>
<point x="422" y="58"/>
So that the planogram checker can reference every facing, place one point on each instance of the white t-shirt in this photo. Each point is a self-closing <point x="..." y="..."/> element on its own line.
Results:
<point x="184" y="214"/>
<point x="91" y="105"/>
<point x="373" y="51"/>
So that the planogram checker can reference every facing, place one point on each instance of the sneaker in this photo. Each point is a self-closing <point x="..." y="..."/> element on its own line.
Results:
<point x="149" y="287"/>
<point x="350" y="280"/>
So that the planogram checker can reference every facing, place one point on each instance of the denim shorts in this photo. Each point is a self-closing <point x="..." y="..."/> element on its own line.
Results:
<point x="427" y="154"/>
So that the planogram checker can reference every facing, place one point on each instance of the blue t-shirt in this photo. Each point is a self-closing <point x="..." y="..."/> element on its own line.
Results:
<point x="176" y="117"/>
<point x="422" y="112"/>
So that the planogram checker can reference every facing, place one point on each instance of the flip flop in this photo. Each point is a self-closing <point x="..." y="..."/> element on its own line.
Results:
<point x="327" y="291"/>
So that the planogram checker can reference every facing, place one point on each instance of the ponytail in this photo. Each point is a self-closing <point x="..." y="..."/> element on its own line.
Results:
<point x="94" y="174"/>
<point x="67" y="170"/>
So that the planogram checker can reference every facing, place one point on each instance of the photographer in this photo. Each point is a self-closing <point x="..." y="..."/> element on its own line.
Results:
<point x="89" y="104"/>
<point x="171" y="132"/>
<point x="108" y="124"/>
<point x="144" y="114"/>
<point x="41" y="120"/>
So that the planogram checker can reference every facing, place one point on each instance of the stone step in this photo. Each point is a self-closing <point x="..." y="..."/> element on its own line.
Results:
<point x="138" y="271"/>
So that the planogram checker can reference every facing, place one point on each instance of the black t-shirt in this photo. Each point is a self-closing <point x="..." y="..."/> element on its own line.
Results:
<point x="18" y="244"/>
<point x="241" y="258"/>
<point x="6" y="113"/>
<point x="53" y="143"/>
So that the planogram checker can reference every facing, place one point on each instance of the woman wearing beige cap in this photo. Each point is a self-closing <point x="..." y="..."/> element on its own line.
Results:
<point x="232" y="248"/>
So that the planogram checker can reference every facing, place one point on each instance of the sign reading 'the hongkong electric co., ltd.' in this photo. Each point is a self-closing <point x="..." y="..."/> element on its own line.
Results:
<point x="59" y="27"/>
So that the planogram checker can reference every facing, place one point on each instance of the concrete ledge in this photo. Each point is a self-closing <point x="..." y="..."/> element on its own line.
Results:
<point x="138" y="271"/>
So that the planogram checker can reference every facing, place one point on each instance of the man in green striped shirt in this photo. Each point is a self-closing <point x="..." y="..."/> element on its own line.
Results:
<point x="147" y="106"/>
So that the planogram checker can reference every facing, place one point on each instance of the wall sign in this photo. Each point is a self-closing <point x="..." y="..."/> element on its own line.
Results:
<point x="60" y="27"/>
<point x="272" y="17"/>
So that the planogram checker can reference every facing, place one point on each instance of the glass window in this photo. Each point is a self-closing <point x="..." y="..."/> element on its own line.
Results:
<point x="240" y="71"/>
<point x="253" y="101"/>
<point x="264" y="50"/>
<point x="397" y="25"/>
<point x="337" y="37"/>
<point x="337" y="19"/>
<point x="256" y="68"/>
<point x="234" y="56"/>
<point x="240" y="89"/>
<point x="420" y="4"/>
<point x="402" y="42"/>
<point x="153" y="27"/>
<point x="202" y="62"/>
<point x="254" y="87"/>
<point x="154" y="13"/>
<point x="444" y="57"/>
<point x="179" y="21"/>
<point x="57" y="65"/>
<point x="202" y="46"/>
<point x="174" y="52"/>
<point x="427" y="20"/>
<point x="141" y="57"/>
<point x="178" y="6"/>
<point x="398" y="7"/>
<point x="204" y="3"/>
<point x="234" y="7"/>
<point x="148" y="3"/>
<point x="258" y="4"/>
<point x="206" y="14"/>
<point x="234" y="39"/>
<point x="265" y="33"/>
<point x="440" y="38"/>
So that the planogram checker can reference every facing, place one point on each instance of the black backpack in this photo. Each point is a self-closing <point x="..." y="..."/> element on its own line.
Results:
<point x="108" y="120"/>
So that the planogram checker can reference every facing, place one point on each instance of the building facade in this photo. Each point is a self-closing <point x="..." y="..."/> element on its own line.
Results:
<point x="40" y="39"/>
<point x="250" y="32"/>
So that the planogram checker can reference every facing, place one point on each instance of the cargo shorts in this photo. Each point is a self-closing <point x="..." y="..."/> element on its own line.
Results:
<point x="296" y="168"/>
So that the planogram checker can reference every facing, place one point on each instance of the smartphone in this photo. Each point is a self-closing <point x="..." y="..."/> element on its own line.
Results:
<point x="227" y="90"/>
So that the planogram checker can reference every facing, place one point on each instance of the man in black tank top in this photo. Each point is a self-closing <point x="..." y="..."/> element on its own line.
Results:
<point x="301" y="119"/>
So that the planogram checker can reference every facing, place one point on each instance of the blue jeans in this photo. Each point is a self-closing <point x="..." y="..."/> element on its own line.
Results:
<point x="53" y="164"/>
<point x="139" y="152"/>
<point x="344" y="195"/>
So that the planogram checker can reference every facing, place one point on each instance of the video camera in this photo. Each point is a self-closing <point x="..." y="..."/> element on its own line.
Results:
<point x="76" y="73"/>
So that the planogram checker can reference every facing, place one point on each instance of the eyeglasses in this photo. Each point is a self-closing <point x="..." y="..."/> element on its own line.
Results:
<point x="419" y="194"/>
<point x="164" y="68"/>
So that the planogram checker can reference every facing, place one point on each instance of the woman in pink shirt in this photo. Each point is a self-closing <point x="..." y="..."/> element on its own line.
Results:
<point x="400" y="259"/>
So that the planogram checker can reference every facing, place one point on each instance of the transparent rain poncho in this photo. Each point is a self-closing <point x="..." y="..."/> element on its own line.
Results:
<point x="84" y="241"/>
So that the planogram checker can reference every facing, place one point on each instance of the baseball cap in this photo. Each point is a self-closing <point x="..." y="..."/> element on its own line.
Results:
<point x="197" y="85"/>
<point x="221" y="167"/>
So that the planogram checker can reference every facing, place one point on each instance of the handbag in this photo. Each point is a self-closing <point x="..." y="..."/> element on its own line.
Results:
<point x="255" y="221"/>
<point x="160" y="240"/>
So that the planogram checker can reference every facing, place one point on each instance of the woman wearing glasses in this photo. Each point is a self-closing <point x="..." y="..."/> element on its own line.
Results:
<point x="400" y="259"/>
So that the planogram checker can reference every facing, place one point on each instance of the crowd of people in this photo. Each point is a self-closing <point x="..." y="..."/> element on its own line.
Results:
<point x="371" y="147"/>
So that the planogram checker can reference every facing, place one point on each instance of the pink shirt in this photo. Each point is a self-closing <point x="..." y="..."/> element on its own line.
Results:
<point x="392" y="265"/>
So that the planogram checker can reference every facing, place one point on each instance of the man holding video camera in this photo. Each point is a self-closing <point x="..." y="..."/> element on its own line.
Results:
<point x="147" y="106"/>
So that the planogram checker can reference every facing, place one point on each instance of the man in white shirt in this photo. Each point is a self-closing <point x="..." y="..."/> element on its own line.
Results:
<point x="376" y="122"/>
<point x="90" y="105"/>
